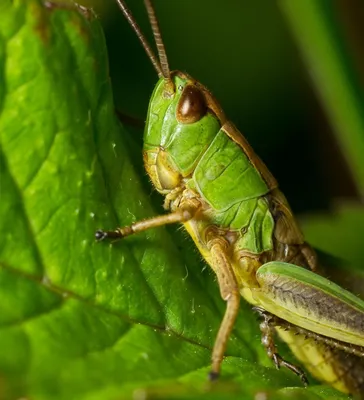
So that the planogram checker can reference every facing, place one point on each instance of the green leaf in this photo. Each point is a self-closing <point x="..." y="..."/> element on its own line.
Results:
<point x="340" y="235"/>
<point x="80" y="319"/>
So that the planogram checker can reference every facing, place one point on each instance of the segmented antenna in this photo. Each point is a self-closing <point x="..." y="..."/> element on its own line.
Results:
<point x="158" y="40"/>
<point x="129" y="16"/>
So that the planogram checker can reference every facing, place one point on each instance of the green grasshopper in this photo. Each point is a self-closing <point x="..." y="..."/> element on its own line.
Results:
<point x="231" y="206"/>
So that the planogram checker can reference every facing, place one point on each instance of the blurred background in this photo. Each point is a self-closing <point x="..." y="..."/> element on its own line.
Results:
<point x="245" y="52"/>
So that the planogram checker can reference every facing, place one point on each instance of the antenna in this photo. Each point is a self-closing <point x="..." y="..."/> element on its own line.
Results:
<point x="158" y="40"/>
<point x="129" y="16"/>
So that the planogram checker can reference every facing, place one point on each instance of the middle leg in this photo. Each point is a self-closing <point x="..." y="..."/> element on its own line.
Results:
<point x="230" y="293"/>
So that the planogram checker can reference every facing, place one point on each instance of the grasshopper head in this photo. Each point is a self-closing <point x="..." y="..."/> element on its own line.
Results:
<point x="182" y="117"/>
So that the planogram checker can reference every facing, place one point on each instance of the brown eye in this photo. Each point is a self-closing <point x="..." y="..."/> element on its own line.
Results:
<point x="191" y="106"/>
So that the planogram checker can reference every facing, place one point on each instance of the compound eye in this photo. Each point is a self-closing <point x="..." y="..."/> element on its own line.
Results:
<point x="191" y="106"/>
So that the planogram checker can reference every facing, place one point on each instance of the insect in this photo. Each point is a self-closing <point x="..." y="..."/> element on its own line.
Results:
<point x="231" y="206"/>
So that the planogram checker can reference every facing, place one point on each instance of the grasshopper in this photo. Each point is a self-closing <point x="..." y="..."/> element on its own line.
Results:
<point x="231" y="206"/>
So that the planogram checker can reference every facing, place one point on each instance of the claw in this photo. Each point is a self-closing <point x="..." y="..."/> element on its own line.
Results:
<point x="100" y="235"/>
<point x="213" y="376"/>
